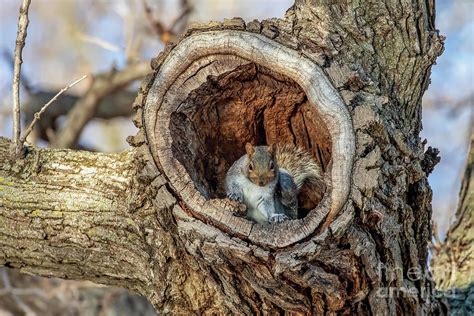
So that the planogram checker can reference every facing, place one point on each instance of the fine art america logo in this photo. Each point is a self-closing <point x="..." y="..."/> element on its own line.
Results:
<point x="406" y="283"/>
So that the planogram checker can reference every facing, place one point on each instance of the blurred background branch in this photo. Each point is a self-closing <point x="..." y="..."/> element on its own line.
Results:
<point x="177" y="26"/>
<point x="107" y="96"/>
<point x="85" y="108"/>
<point x="37" y="115"/>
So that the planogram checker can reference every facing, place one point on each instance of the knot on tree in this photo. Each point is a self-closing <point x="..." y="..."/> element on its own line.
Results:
<point x="218" y="89"/>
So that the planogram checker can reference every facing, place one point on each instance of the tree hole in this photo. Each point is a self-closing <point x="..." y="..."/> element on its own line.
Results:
<point x="249" y="104"/>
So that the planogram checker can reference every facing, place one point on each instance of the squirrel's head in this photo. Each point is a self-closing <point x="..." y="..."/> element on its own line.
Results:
<point x="261" y="166"/>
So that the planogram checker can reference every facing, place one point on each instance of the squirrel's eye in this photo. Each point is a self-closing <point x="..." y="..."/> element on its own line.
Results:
<point x="272" y="166"/>
<point x="251" y="166"/>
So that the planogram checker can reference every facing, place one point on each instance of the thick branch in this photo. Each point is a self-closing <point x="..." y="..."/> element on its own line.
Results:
<point x="64" y="214"/>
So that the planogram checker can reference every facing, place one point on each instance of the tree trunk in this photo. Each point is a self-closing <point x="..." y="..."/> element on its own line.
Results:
<point x="343" y="81"/>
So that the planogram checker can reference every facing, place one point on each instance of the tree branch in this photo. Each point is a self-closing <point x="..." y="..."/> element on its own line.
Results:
<point x="20" y="43"/>
<point x="117" y="104"/>
<point x="64" y="214"/>
<point x="86" y="106"/>
<point x="45" y="107"/>
<point x="113" y="105"/>
<point x="168" y="34"/>
<point x="8" y="288"/>
<point x="452" y="263"/>
<point x="182" y="18"/>
<point x="458" y="249"/>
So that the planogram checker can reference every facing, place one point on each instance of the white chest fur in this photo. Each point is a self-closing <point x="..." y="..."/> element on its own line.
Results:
<point x="259" y="200"/>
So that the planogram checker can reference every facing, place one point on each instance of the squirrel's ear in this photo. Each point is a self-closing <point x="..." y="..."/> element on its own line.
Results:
<point x="272" y="149"/>
<point x="249" y="149"/>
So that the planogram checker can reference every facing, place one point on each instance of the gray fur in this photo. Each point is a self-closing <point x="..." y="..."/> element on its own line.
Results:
<point x="286" y="194"/>
<point x="260" y="201"/>
<point x="277" y="201"/>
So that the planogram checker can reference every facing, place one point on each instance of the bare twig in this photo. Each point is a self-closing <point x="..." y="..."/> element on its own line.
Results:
<point x="85" y="108"/>
<point x="38" y="114"/>
<point x="185" y="11"/>
<point x="20" y="43"/>
<point x="113" y="105"/>
<point x="156" y="25"/>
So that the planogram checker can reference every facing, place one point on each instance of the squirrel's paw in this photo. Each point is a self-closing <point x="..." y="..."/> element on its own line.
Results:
<point x="278" y="218"/>
<point x="235" y="197"/>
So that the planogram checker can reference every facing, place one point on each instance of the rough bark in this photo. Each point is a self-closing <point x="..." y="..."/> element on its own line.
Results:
<point x="65" y="210"/>
<point x="362" y="249"/>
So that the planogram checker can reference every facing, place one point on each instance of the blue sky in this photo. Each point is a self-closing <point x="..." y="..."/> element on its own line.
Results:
<point x="451" y="81"/>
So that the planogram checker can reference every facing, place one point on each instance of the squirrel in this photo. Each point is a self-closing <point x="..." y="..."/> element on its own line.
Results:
<point x="267" y="180"/>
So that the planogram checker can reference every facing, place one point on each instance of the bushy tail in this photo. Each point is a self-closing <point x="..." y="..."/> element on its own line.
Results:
<point x="299" y="164"/>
